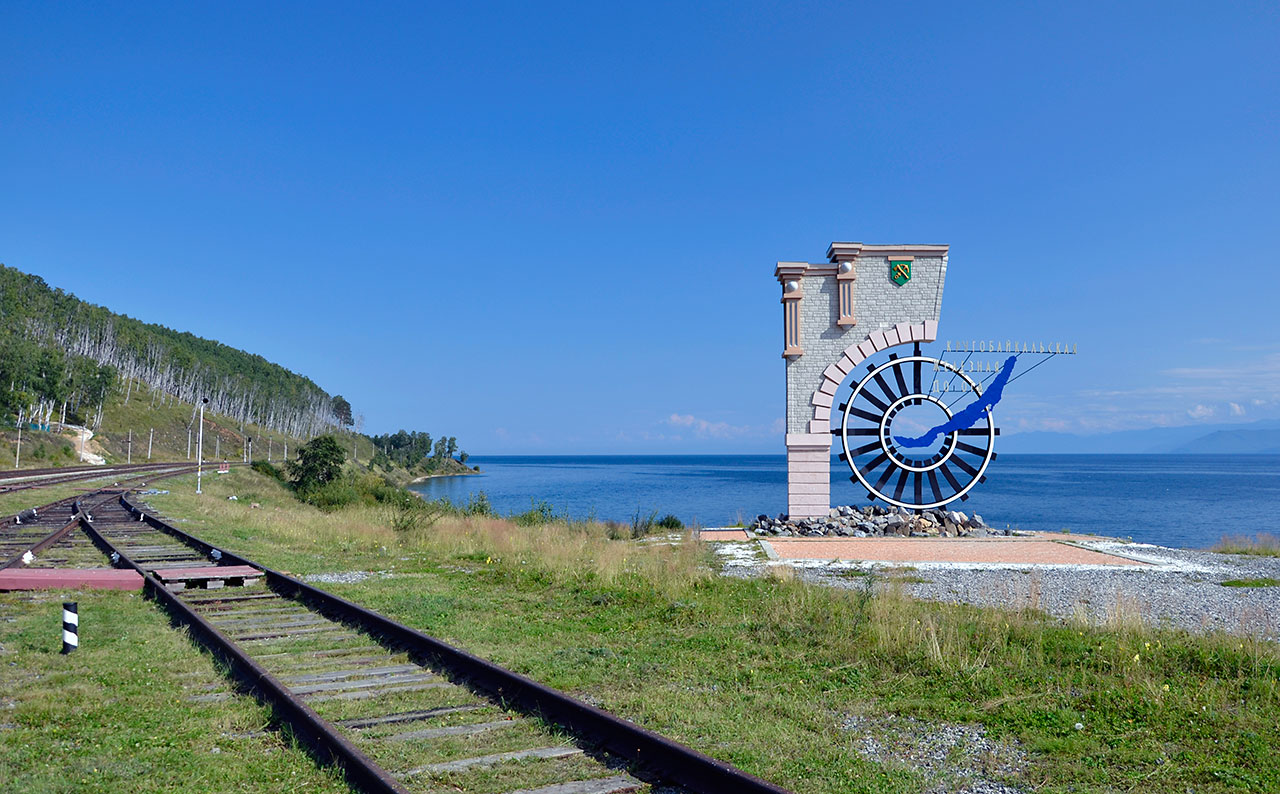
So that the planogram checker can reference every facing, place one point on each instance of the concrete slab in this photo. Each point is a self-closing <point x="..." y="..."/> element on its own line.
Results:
<point x="723" y="534"/>
<point x="69" y="578"/>
<point x="1008" y="551"/>
<point x="207" y="572"/>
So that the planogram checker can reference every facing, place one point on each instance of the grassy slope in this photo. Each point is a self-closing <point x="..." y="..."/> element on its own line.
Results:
<point x="764" y="672"/>
<point x="221" y="434"/>
<point x="170" y="423"/>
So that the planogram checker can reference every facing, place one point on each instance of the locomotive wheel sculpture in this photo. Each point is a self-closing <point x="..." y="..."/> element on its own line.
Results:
<point x="900" y="466"/>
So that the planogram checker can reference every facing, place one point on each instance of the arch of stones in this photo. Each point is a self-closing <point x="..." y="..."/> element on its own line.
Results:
<point x="836" y="314"/>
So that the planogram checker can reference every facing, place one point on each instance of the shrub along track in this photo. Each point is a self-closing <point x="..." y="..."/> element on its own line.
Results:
<point x="397" y="710"/>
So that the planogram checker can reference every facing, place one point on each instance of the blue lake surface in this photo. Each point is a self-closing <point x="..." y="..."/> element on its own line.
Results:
<point x="1189" y="501"/>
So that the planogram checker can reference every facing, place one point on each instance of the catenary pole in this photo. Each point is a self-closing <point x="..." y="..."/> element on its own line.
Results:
<point x="200" y="446"/>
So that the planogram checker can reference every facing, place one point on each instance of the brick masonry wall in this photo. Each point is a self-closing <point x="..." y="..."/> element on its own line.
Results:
<point x="879" y="304"/>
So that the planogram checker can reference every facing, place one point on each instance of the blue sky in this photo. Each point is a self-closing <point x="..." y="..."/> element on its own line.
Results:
<point x="552" y="227"/>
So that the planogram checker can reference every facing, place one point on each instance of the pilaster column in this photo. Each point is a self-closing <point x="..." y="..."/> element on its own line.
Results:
<point x="790" y="275"/>
<point x="846" y="275"/>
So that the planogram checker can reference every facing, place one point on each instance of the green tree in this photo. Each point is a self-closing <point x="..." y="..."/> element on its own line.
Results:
<point x="319" y="461"/>
<point x="342" y="410"/>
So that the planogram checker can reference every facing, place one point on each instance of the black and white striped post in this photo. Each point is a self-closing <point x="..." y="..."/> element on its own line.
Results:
<point x="70" y="626"/>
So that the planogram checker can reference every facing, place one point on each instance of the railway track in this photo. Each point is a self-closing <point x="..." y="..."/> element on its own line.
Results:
<point x="397" y="710"/>
<point x="19" y="480"/>
<point x="55" y="524"/>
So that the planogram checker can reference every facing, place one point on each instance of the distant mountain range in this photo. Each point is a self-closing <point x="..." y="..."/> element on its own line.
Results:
<point x="1253" y="438"/>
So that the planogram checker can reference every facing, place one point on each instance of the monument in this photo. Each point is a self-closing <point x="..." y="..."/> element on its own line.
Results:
<point x="838" y="314"/>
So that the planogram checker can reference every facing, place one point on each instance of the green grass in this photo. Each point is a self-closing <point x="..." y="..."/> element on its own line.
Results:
<point x="763" y="672"/>
<point x="1262" y="582"/>
<point x="114" y="716"/>
<point x="1263" y="544"/>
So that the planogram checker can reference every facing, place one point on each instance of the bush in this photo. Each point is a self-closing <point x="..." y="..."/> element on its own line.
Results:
<point x="332" y="495"/>
<point x="478" y="505"/>
<point x="319" y="463"/>
<point x="410" y="512"/>
<point x="642" y="525"/>
<point x="262" y="467"/>
<point x="538" y="513"/>
<point x="669" y="521"/>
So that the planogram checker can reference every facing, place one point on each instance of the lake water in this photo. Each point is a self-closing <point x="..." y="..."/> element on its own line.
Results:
<point x="1188" y="501"/>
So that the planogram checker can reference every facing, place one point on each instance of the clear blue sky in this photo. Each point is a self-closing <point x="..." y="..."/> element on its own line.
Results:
<point x="552" y="228"/>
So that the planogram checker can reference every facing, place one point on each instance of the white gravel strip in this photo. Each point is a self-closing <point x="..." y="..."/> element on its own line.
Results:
<point x="1180" y="588"/>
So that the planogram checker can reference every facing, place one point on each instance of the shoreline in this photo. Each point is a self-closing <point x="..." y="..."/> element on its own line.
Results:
<point x="426" y="477"/>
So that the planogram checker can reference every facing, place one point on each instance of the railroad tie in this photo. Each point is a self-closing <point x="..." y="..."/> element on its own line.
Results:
<point x="364" y="683"/>
<point x="364" y="694"/>
<point x="607" y="785"/>
<point x="491" y="760"/>
<point x="335" y="675"/>
<point x="409" y="716"/>
<point x="450" y="730"/>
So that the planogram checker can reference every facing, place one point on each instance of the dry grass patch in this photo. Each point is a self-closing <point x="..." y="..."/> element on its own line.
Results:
<point x="1263" y="544"/>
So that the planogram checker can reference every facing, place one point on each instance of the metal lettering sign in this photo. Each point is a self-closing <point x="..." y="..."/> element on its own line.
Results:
<point x="900" y="271"/>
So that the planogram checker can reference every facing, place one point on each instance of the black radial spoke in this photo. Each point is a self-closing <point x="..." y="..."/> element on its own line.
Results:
<point x="962" y="463"/>
<point x="875" y="462"/>
<point x="885" y="387"/>
<point x="861" y="414"/>
<point x="971" y="449"/>
<point x="863" y="431"/>
<point x="951" y="478"/>
<point x="918" y="482"/>
<point x="874" y="400"/>
<point x="884" y="478"/>
<point x="902" y="382"/>
<point x="917" y="365"/>
<point x="974" y="431"/>
<point x="933" y="486"/>
<point x="864" y="449"/>
<point x="888" y="392"/>
<point x="902" y="484"/>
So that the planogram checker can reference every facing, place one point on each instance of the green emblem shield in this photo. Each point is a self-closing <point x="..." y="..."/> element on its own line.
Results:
<point x="900" y="271"/>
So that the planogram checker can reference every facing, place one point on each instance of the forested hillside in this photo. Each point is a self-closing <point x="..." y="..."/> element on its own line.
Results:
<point x="60" y="357"/>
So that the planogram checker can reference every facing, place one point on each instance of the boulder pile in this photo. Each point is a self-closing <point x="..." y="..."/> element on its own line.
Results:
<point x="876" y="522"/>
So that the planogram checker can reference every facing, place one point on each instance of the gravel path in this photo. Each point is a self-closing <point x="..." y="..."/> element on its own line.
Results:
<point x="1181" y="588"/>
